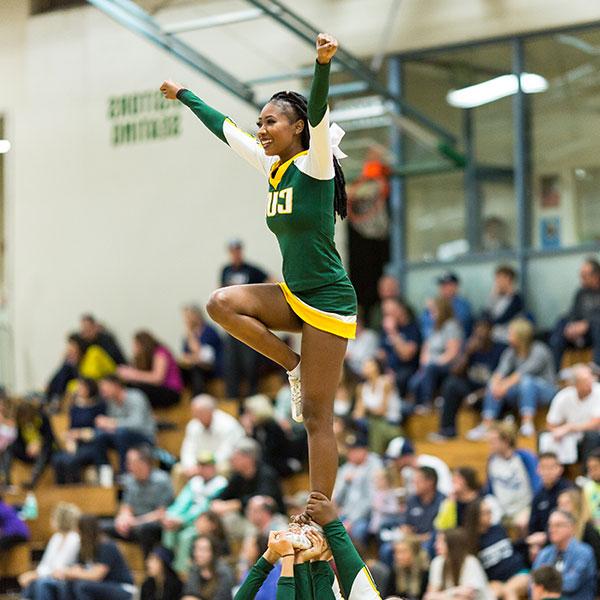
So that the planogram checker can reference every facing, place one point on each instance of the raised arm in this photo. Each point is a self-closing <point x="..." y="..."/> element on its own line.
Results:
<point x="242" y="143"/>
<point x="256" y="576"/>
<point x="355" y="578"/>
<point x="323" y="580"/>
<point x="319" y="160"/>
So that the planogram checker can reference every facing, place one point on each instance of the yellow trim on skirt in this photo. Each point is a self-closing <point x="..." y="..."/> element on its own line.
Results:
<point x="325" y="321"/>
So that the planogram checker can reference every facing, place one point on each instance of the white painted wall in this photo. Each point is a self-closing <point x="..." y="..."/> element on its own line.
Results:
<point x="129" y="232"/>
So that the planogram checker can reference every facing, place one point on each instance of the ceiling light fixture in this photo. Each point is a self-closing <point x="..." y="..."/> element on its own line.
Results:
<point x="4" y="146"/>
<point x="494" y="89"/>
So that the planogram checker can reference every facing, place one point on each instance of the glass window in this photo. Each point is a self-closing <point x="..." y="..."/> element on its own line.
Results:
<point x="587" y="192"/>
<point x="436" y="204"/>
<point x="435" y="217"/>
<point x="498" y="216"/>
<point x="566" y="139"/>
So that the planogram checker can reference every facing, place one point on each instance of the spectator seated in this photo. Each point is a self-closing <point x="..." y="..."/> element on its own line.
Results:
<point x="128" y="421"/>
<point x="378" y="406"/>
<point x="468" y="377"/>
<point x="202" y="353"/>
<point x="179" y="527"/>
<point x="154" y="371"/>
<point x="440" y="349"/>
<point x="210" y="429"/>
<point x="400" y="341"/>
<point x="573" y="420"/>
<point x="33" y="445"/>
<point x="78" y="442"/>
<point x="524" y="378"/>
<point x="581" y="326"/>
<point x="354" y="486"/>
<point x="146" y="494"/>
<point x="504" y="303"/>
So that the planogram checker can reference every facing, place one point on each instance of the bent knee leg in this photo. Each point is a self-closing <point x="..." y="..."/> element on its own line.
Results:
<point x="220" y="305"/>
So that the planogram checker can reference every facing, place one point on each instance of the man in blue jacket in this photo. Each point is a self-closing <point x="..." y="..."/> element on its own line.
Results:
<point x="573" y="559"/>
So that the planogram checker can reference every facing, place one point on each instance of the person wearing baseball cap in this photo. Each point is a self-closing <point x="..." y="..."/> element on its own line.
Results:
<point x="354" y="486"/>
<point x="404" y="461"/>
<point x="448" y="287"/>
<point x="178" y="523"/>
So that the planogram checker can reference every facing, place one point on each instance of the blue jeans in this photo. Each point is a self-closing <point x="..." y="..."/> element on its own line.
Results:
<point x="526" y="395"/>
<point x="121" y="440"/>
<point x="426" y="380"/>
<point x="46" y="588"/>
<point x="68" y="466"/>
<point x="98" y="590"/>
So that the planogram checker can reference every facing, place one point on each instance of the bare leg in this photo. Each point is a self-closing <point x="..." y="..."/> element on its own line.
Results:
<point x="248" y="312"/>
<point x="497" y="588"/>
<point x="322" y="359"/>
<point x="516" y="587"/>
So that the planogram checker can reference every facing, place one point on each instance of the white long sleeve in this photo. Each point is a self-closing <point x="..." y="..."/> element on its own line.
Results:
<point x="62" y="551"/>
<point x="220" y="438"/>
<point x="246" y="146"/>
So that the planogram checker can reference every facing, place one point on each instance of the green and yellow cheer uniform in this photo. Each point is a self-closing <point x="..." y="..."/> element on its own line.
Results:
<point x="299" y="211"/>
<point x="355" y="578"/>
<point x="316" y="581"/>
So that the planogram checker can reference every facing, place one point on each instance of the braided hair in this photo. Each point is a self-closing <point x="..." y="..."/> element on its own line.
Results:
<point x="299" y="105"/>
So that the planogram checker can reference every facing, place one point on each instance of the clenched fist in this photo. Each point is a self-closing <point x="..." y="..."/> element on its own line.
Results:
<point x="327" y="46"/>
<point x="170" y="89"/>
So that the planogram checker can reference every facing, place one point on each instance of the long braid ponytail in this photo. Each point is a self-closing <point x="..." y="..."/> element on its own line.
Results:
<point x="298" y="103"/>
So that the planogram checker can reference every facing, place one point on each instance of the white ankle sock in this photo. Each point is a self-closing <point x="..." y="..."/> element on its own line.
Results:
<point x="295" y="372"/>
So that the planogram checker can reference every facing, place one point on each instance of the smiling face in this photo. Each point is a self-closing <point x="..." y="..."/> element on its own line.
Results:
<point x="278" y="131"/>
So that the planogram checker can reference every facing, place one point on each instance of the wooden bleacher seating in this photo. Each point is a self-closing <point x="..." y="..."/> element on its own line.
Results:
<point x="574" y="356"/>
<point x="459" y="451"/>
<point x="16" y="561"/>
<point x="95" y="500"/>
<point x="103" y="501"/>
<point x="132" y="553"/>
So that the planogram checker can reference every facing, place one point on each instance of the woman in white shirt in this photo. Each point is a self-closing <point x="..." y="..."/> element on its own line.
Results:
<point x="61" y="552"/>
<point x="378" y="402"/>
<point x="454" y="573"/>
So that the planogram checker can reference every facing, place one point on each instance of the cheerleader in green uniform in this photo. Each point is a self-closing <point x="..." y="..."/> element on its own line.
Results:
<point x="297" y="150"/>
<point x="307" y="575"/>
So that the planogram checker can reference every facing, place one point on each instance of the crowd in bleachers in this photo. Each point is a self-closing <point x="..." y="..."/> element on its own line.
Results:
<point x="200" y="514"/>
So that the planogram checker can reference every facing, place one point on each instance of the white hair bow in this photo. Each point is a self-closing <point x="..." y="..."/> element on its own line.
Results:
<point x="336" y="133"/>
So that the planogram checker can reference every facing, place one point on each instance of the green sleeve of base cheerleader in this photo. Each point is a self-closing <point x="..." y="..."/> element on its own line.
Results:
<point x="317" y="101"/>
<point x="286" y="589"/>
<point x="347" y="560"/>
<point x="303" y="582"/>
<point x="322" y="580"/>
<point x="212" y="118"/>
